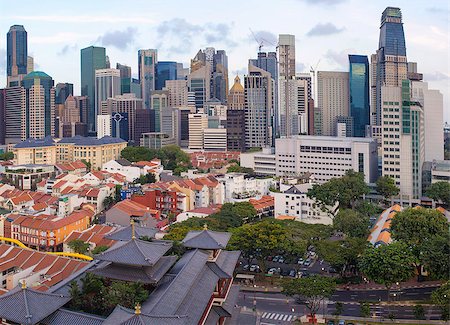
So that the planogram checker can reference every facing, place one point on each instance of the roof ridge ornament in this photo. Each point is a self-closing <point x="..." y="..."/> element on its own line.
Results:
<point x="205" y="226"/>
<point x="133" y="233"/>
<point x="137" y="309"/>
<point x="24" y="284"/>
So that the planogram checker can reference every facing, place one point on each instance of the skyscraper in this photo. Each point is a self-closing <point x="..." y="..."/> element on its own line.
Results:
<point x="258" y="89"/>
<point x="2" y="115"/>
<point x="359" y="93"/>
<point x="219" y="84"/>
<point x="165" y="70"/>
<point x="236" y="117"/>
<point x="92" y="58"/>
<point x="159" y="102"/>
<point x="62" y="91"/>
<point x="125" y="78"/>
<point x="38" y="108"/>
<point x="288" y="110"/>
<point x="199" y="84"/>
<point x="147" y="60"/>
<point x="16" y="54"/>
<point x="13" y="102"/>
<point x="107" y="85"/>
<point x="332" y="97"/>
<point x="391" y="67"/>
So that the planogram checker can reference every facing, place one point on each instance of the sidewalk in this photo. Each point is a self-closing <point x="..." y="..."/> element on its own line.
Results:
<point x="404" y="285"/>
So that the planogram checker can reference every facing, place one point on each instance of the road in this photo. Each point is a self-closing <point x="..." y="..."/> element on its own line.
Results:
<point x="381" y="295"/>
<point x="276" y="308"/>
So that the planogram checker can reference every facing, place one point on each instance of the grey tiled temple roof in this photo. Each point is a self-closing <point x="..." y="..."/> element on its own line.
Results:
<point x="125" y="234"/>
<point x="125" y="316"/>
<point x="28" y="306"/>
<point x="206" y="239"/>
<point x="227" y="261"/>
<point x="135" y="252"/>
<point x="145" y="274"/>
<point x="215" y="314"/>
<point x="66" y="317"/>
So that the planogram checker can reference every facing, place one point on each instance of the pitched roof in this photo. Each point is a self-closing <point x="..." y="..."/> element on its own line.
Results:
<point x="135" y="252"/>
<point x="123" y="162"/>
<point x="206" y="239"/>
<point x="64" y="316"/>
<point x="28" y="306"/>
<point x="124" y="234"/>
<point x="33" y="143"/>
<point x="87" y="141"/>
<point x="125" y="316"/>
<point x="133" y="208"/>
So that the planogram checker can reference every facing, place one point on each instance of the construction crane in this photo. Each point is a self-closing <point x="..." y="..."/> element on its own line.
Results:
<point x="261" y="41"/>
<point x="313" y="71"/>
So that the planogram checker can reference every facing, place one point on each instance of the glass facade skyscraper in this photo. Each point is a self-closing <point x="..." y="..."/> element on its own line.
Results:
<point x="165" y="70"/>
<point x="92" y="58"/>
<point x="359" y="93"/>
<point x="16" y="54"/>
<point x="147" y="61"/>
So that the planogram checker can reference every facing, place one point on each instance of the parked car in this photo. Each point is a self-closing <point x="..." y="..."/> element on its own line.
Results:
<point x="301" y="261"/>
<point x="246" y="267"/>
<point x="307" y="262"/>
<point x="330" y="322"/>
<point x="281" y="259"/>
<point x="312" y="254"/>
<point x="293" y="273"/>
<point x="341" y="322"/>
<point x="275" y="258"/>
<point x="255" y="268"/>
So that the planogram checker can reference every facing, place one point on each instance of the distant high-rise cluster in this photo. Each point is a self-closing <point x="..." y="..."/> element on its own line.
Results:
<point x="196" y="108"/>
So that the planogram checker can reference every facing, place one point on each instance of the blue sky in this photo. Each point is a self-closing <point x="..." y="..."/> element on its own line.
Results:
<point x="326" y="30"/>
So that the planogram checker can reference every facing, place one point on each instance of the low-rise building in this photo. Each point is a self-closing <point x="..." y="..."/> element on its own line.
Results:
<point x="265" y="206"/>
<point x="124" y="211"/>
<point x="198" y="213"/>
<point x="26" y="177"/>
<point x="241" y="187"/>
<point x="262" y="162"/>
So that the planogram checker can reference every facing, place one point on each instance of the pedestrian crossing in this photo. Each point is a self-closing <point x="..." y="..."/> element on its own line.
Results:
<point x="279" y="317"/>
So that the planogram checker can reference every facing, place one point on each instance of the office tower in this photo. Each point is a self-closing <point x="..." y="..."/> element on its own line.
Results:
<point x="30" y="64"/>
<point x="373" y="90"/>
<point x="391" y="66"/>
<point x="69" y="124"/>
<point x="215" y="139"/>
<point x="359" y="93"/>
<point x="170" y="123"/>
<point x="38" y="109"/>
<point x="220" y="84"/>
<point x="431" y="102"/>
<point x="184" y="113"/>
<point x="120" y="126"/>
<point x="2" y="115"/>
<point x="126" y="104"/>
<point x="317" y="121"/>
<point x="182" y="72"/>
<point x="103" y="126"/>
<point x="178" y="93"/>
<point x="159" y="102"/>
<point x="268" y="62"/>
<point x="288" y="110"/>
<point x="344" y="126"/>
<point x="197" y="124"/>
<point x="199" y="85"/>
<point x="311" y="117"/>
<point x="92" y="58"/>
<point x="62" y="92"/>
<point x="310" y="108"/>
<point x="333" y="101"/>
<point x="143" y="123"/>
<point x="135" y="87"/>
<point x="107" y="85"/>
<point x="71" y="111"/>
<point x="165" y="70"/>
<point x="147" y="61"/>
<point x="125" y="78"/>
<point x="236" y="117"/>
<point x="14" y="100"/>
<point x="215" y="108"/>
<point x="16" y="55"/>
<point x="402" y="139"/>
<point x="258" y="90"/>
<point x="82" y="103"/>
<point x="412" y="72"/>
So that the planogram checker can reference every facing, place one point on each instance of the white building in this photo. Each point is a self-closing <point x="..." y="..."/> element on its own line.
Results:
<point x="215" y="139"/>
<point x="107" y="85"/>
<point x="292" y="201"/>
<point x="326" y="157"/>
<point x="440" y="171"/>
<point x="262" y="162"/>
<point x="240" y="187"/>
<point x="123" y="167"/>
<point x="197" y="123"/>
<point x="103" y="126"/>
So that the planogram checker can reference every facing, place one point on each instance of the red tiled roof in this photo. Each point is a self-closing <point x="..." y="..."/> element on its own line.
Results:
<point x="21" y="199"/>
<point x="133" y="208"/>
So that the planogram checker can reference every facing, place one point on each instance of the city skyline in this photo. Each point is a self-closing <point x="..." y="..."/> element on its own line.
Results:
<point x="319" y="35"/>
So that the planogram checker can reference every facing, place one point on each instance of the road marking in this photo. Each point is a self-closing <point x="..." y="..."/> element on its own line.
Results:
<point x="264" y="315"/>
<point x="290" y="317"/>
<point x="272" y="316"/>
<point x="285" y="317"/>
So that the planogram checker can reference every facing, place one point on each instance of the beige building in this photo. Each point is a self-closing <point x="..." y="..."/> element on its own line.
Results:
<point x="178" y="93"/>
<point x="333" y="98"/>
<point x="49" y="151"/>
<point x="197" y="124"/>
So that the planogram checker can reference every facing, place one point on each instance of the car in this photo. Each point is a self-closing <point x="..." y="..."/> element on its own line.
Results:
<point x="341" y="322"/>
<point x="269" y="258"/>
<point x="254" y="268"/>
<point x="274" y="270"/>
<point x="275" y="258"/>
<point x="301" y="261"/>
<point x="284" y="272"/>
<point x="305" y="274"/>
<point x="307" y="262"/>
<point x="281" y="259"/>
<point x="330" y="322"/>
<point x="293" y="273"/>
<point x="245" y="267"/>
<point x="332" y="270"/>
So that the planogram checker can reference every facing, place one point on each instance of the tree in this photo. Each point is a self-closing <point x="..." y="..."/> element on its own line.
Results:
<point x="172" y="156"/>
<point x="435" y="254"/>
<point x="386" y="187"/>
<point x="388" y="264"/>
<point x="441" y="297"/>
<point x="345" y="190"/>
<point x="108" y="202"/>
<point x="78" y="246"/>
<point x="338" y="308"/>
<point x="99" y="249"/>
<point x="135" y="154"/>
<point x="417" y="226"/>
<point x="419" y="312"/>
<point x="76" y="295"/>
<point x="146" y="179"/>
<point x="6" y="155"/>
<point x="237" y="213"/>
<point x="87" y="163"/>
<point x="352" y="223"/>
<point x="440" y="191"/>
<point x="312" y="290"/>
<point x="364" y="309"/>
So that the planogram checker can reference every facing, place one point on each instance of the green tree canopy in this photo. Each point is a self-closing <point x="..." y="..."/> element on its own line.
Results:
<point x="135" y="154"/>
<point x="352" y="223"/>
<point x="439" y="191"/>
<point x="346" y="190"/>
<point x="312" y="290"/>
<point x="388" y="264"/>
<point x="6" y="155"/>
<point x="386" y="187"/>
<point x="99" y="249"/>
<point x="78" y="246"/>
<point x="434" y="256"/>
<point x="441" y="298"/>
<point x="416" y="226"/>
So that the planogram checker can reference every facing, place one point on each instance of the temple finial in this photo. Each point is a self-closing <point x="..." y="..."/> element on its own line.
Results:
<point x="133" y="234"/>
<point x="24" y="284"/>
<point x="205" y="226"/>
<point x="137" y="309"/>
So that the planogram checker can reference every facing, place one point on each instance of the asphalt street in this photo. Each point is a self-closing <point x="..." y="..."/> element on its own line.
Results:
<point x="382" y="295"/>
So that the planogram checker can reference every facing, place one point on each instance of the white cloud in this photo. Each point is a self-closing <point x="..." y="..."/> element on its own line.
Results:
<point x="87" y="19"/>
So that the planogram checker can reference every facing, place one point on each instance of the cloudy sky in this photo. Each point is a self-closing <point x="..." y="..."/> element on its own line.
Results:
<point x="326" y="32"/>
